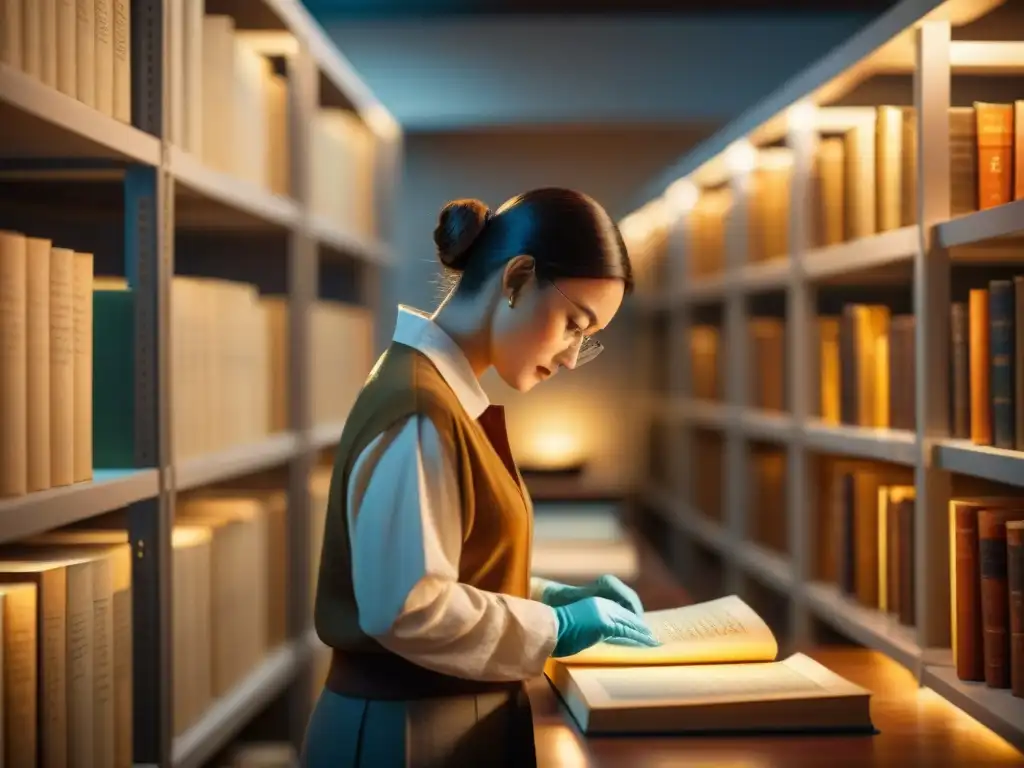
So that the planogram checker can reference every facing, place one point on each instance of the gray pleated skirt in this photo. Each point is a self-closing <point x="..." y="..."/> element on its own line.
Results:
<point x="489" y="729"/>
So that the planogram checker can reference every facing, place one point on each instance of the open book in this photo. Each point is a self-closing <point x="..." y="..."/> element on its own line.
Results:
<point x="715" y="671"/>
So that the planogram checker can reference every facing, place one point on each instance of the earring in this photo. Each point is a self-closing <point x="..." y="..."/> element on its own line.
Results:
<point x="511" y="300"/>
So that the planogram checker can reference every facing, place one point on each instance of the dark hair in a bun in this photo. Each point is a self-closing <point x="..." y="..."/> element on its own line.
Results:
<point x="458" y="226"/>
<point x="567" y="233"/>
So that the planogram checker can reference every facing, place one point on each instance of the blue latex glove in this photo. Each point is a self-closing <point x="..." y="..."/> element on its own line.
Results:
<point x="593" y="619"/>
<point x="606" y="586"/>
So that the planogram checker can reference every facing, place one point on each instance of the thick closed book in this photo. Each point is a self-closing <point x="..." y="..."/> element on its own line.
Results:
<point x="716" y="671"/>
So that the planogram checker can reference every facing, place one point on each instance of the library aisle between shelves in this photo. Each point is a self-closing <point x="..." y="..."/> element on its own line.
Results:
<point x="809" y="424"/>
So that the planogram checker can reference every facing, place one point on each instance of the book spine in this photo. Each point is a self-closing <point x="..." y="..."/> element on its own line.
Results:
<point x="1018" y="362"/>
<point x="969" y="660"/>
<point x="848" y="373"/>
<point x="960" y="391"/>
<point x="1015" y="586"/>
<point x="905" y="537"/>
<point x="1001" y="349"/>
<point x="981" y="396"/>
<point x="963" y="161"/>
<point x="847" y="536"/>
<point x="994" y="597"/>
<point x="995" y="154"/>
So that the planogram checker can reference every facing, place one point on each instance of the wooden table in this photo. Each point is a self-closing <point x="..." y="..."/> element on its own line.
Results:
<point x="916" y="726"/>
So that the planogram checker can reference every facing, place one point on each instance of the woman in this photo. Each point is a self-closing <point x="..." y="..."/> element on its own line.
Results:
<point x="424" y="592"/>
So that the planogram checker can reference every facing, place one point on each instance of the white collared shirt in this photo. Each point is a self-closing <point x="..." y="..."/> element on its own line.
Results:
<point x="406" y="544"/>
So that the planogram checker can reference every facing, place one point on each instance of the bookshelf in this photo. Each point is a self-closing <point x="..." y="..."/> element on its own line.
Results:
<point x="126" y="178"/>
<point x="716" y="250"/>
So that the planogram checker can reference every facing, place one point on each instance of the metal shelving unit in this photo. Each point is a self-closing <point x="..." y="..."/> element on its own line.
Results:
<point x="918" y="47"/>
<point x="42" y="129"/>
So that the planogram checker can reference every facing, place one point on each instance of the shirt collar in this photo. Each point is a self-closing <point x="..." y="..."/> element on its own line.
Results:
<point x="416" y="329"/>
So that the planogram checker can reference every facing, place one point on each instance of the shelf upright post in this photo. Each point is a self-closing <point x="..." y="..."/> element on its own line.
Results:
<point x="931" y="309"/>
<point x="737" y="389"/>
<point x="801" y="381"/>
<point x="680" y="383"/>
<point x="303" y="260"/>
<point x="148" y="254"/>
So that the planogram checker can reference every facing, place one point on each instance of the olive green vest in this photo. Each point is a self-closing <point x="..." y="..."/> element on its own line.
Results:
<point x="497" y="517"/>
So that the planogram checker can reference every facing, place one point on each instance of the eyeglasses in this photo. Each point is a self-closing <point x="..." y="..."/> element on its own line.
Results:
<point x="589" y="347"/>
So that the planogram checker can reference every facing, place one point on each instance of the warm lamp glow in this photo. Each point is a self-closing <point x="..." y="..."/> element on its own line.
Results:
<point x="802" y="117"/>
<point x="741" y="157"/>
<point x="681" y="196"/>
<point x="555" y="449"/>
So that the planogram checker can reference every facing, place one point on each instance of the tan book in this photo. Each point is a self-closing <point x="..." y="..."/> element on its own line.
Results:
<point x="53" y="695"/>
<point x="191" y="623"/>
<point x="830" y="218"/>
<point x="104" y="61"/>
<point x="13" y="364"/>
<point x="82" y="350"/>
<point x="62" y="367"/>
<point x="218" y="92"/>
<point x="889" y="167"/>
<point x="85" y="51"/>
<point x="80" y="576"/>
<point x="47" y="10"/>
<point x="20" y="681"/>
<point x="278" y="155"/>
<point x="38" y="340"/>
<point x="239" y="561"/>
<point x="32" y="26"/>
<point x="828" y="345"/>
<point x="100" y="641"/>
<point x="122" y="60"/>
<point x="67" y="47"/>
<point x="11" y="52"/>
<point x="112" y="544"/>
<point x="716" y="670"/>
<point x="192" y="60"/>
<point x="859" y="180"/>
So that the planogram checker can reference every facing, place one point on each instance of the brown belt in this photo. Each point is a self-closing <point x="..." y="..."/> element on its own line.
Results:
<point x="386" y="676"/>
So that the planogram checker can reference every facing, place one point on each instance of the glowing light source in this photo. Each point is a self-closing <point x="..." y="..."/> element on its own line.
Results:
<point x="802" y="117"/>
<point x="681" y="196"/>
<point x="555" y="449"/>
<point x="741" y="157"/>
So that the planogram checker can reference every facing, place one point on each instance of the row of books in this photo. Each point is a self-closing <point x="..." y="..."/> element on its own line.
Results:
<point x="860" y="353"/>
<point x="987" y="365"/>
<point x="987" y="543"/>
<point x="863" y="182"/>
<point x="229" y="363"/>
<point x="67" y="650"/>
<point x="766" y="337"/>
<point x="867" y="367"/>
<point x="866" y="535"/>
<point x="343" y="173"/>
<point x="229" y="106"/>
<point x="46" y="360"/>
<point x="82" y="49"/>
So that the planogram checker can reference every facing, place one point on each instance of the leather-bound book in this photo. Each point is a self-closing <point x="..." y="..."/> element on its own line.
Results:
<point x="995" y="598"/>
<point x="1015" y="585"/>
<point x="978" y="347"/>
<point x="995" y="154"/>
<point x="960" y="375"/>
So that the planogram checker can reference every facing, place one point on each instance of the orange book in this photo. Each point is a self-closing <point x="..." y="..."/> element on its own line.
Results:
<point x="995" y="154"/>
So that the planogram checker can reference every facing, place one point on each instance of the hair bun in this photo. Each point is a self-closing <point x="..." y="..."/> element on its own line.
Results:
<point x="459" y="225"/>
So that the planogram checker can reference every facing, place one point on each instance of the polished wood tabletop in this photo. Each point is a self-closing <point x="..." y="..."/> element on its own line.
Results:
<point x="915" y="727"/>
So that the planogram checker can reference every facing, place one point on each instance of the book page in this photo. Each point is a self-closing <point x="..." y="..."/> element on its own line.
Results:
<point x="743" y="682"/>
<point x="798" y="677"/>
<point x="718" y="631"/>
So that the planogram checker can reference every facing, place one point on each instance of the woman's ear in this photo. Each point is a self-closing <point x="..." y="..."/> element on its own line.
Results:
<point x="518" y="272"/>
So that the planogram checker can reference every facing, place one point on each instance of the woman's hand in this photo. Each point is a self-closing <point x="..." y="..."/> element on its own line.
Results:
<point x="607" y="586"/>
<point x="589" y="621"/>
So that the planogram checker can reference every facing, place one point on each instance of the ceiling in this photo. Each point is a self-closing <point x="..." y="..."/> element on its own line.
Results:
<point x="434" y="8"/>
